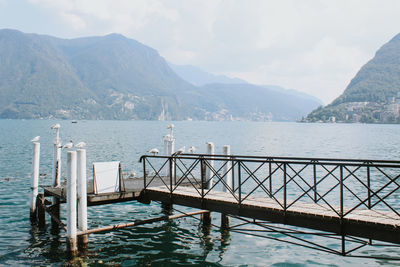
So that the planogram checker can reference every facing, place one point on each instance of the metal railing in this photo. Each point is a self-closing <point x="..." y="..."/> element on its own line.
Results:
<point x="340" y="185"/>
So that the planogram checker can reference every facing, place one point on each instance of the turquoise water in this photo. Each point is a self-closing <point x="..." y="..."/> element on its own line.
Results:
<point x="183" y="241"/>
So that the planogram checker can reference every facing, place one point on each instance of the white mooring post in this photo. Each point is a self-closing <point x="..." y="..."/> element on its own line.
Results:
<point x="169" y="149"/>
<point x="82" y="195"/>
<point x="226" y="150"/>
<point x="209" y="173"/>
<point x="56" y="157"/>
<point x="34" y="179"/>
<point x="71" y="202"/>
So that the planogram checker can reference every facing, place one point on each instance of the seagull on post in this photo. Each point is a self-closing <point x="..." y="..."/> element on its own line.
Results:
<point x="35" y="139"/>
<point x="68" y="145"/>
<point x="171" y="127"/>
<point x="154" y="151"/>
<point x="55" y="126"/>
<point x="80" y="145"/>
<point x="192" y="149"/>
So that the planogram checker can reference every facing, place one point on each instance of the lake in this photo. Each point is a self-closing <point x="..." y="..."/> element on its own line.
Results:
<point x="180" y="242"/>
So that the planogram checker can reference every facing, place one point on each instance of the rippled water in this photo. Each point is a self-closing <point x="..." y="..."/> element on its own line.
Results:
<point x="183" y="241"/>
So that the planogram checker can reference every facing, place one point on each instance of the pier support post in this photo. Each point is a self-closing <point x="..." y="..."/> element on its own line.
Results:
<point x="71" y="203"/>
<point x="41" y="212"/>
<point x="82" y="196"/>
<point x="166" y="208"/>
<point x="34" y="180"/>
<point x="226" y="150"/>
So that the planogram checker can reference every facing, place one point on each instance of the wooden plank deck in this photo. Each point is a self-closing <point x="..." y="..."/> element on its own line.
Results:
<point x="383" y="226"/>
<point x="133" y="190"/>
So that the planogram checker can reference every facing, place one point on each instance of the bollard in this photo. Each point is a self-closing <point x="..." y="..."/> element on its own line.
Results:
<point x="34" y="179"/>
<point x="82" y="195"/>
<point x="71" y="203"/>
<point x="169" y="147"/>
<point x="226" y="150"/>
<point x="209" y="173"/>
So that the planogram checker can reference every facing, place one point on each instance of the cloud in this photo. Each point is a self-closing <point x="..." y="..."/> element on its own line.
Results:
<point x="312" y="46"/>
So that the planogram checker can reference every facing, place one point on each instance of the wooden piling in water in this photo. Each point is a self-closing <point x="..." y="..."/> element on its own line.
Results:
<point x="34" y="180"/>
<point x="40" y="209"/>
<point x="71" y="203"/>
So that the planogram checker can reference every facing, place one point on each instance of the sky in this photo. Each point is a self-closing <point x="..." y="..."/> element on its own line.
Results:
<point x="313" y="46"/>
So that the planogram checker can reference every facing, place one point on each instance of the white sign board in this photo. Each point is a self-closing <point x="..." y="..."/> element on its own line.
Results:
<point x="106" y="177"/>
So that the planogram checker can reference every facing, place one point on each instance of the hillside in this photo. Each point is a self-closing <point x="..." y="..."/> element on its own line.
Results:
<point x="114" y="77"/>
<point x="373" y="95"/>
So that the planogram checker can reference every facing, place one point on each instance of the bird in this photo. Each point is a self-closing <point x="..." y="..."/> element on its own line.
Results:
<point x="35" y="139"/>
<point x="154" y="151"/>
<point x="80" y="145"/>
<point x="55" y="126"/>
<point x="179" y="151"/>
<point x="171" y="127"/>
<point x="192" y="149"/>
<point x="69" y="145"/>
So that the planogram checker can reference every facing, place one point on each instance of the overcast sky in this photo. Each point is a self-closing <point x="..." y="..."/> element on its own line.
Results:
<point x="312" y="46"/>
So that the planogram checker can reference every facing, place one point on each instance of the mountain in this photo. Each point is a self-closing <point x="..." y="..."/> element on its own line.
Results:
<point x="257" y="103"/>
<point x="198" y="77"/>
<point x="373" y="95"/>
<point x="114" y="77"/>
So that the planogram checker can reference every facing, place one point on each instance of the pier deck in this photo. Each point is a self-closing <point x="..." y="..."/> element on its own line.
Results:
<point x="383" y="226"/>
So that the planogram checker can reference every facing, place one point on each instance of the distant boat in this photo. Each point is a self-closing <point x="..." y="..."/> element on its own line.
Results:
<point x="74" y="121"/>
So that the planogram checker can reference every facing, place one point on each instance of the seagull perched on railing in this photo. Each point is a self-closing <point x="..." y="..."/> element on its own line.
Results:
<point x="154" y="151"/>
<point x="35" y="139"/>
<point x="179" y="151"/>
<point x="80" y="145"/>
<point x="192" y="149"/>
<point x="68" y="145"/>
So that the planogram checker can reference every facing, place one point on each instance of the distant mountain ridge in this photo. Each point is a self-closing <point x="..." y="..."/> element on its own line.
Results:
<point x="114" y="77"/>
<point x="373" y="95"/>
<point x="198" y="77"/>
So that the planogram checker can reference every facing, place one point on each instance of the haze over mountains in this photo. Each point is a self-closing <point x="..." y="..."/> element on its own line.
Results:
<point x="373" y="95"/>
<point x="114" y="77"/>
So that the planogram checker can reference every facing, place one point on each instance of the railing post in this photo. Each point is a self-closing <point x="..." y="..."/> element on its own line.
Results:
<point x="202" y="176"/>
<point x="144" y="173"/>
<point x="170" y="173"/>
<point x="284" y="187"/>
<point x="270" y="177"/>
<point x="315" y="182"/>
<point x="239" y="183"/>
<point x="369" y="186"/>
<point x="341" y="191"/>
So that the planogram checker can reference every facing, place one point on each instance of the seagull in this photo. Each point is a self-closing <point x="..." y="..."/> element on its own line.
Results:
<point x="35" y="139"/>
<point x="180" y="151"/>
<point x="68" y="145"/>
<point x="154" y="151"/>
<point x="80" y="145"/>
<point x="55" y="126"/>
<point x="192" y="149"/>
<point x="171" y="127"/>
